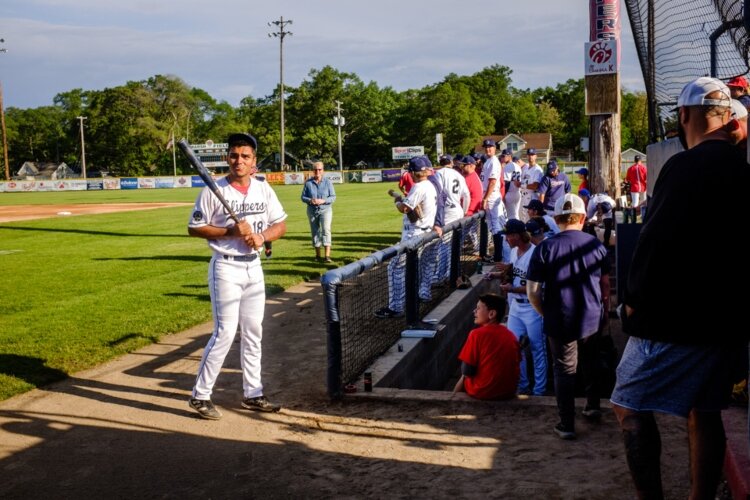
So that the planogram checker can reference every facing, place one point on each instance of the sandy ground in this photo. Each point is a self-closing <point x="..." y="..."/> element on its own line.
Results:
<point x="124" y="430"/>
<point x="29" y="212"/>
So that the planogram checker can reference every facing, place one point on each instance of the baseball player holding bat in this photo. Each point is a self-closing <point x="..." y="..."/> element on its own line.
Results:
<point x="236" y="214"/>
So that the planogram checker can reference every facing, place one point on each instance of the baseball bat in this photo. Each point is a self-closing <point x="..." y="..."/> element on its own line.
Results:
<point x="204" y="174"/>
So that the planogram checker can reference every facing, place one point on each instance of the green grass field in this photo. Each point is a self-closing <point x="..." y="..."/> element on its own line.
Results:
<point x="78" y="291"/>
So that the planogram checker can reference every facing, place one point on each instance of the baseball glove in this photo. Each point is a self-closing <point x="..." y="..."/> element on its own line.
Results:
<point x="414" y="214"/>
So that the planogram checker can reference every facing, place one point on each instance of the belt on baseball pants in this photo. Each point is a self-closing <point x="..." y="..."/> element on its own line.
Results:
<point x="522" y="301"/>
<point x="241" y="258"/>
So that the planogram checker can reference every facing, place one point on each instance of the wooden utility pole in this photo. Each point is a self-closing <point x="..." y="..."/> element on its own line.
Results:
<point x="603" y="96"/>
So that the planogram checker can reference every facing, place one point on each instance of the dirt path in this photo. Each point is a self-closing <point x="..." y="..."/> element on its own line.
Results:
<point x="124" y="430"/>
<point x="13" y="213"/>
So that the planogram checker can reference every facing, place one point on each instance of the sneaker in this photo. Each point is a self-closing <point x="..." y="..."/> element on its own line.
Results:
<point x="387" y="312"/>
<point x="592" y="413"/>
<point x="260" y="404"/>
<point x="564" y="433"/>
<point x="328" y="260"/>
<point x="205" y="408"/>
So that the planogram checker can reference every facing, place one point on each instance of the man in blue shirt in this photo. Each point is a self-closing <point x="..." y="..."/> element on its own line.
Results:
<point x="318" y="195"/>
<point x="572" y="267"/>
<point x="553" y="186"/>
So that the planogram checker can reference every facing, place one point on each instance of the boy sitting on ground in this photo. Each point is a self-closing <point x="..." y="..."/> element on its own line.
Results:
<point x="490" y="359"/>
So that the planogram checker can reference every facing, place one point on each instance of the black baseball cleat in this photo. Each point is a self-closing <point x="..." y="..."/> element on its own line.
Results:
<point x="260" y="404"/>
<point x="564" y="433"/>
<point x="387" y="312"/>
<point x="592" y="414"/>
<point x="205" y="408"/>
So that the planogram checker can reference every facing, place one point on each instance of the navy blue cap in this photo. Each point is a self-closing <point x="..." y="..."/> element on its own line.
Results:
<point x="514" y="226"/>
<point x="637" y="157"/>
<point x="487" y="143"/>
<point x="583" y="171"/>
<point x="584" y="192"/>
<point x="533" y="228"/>
<point x="468" y="160"/>
<point x="536" y="205"/>
<point x="604" y="206"/>
<point x="458" y="159"/>
<point x="445" y="159"/>
<point x="531" y="151"/>
<point x="506" y="152"/>
<point x="418" y="164"/>
<point x="242" y="137"/>
<point x="552" y="166"/>
<point x="515" y="158"/>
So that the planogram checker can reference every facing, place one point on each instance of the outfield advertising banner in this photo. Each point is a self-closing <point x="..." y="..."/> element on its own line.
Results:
<point x="146" y="183"/>
<point x="392" y="174"/>
<point x="294" y="178"/>
<point x="19" y="186"/>
<point x="334" y="177"/>
<point x="110" y="183"/>
<point x="128" y="183"/>
<point x="372" y="176"/>
<point x="197" y="182"/>
<point x="182" y="181"/>
<point x="46" y="186"/>
<point x="94" y="185"/>
<point x="76" y="185"/>
<point x="164" y="182"/>
<point x="354" y="177"/>
<point x="274" y="177"/>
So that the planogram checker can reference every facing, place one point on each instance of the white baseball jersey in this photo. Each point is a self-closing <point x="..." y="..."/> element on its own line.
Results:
<point x="259" y="207"/>
<point x="531" y="175"/>
<point x="457" y="193"/>
<point x="422" y="193"/>
<point x="520" y="267"/>
<point x="595" y="200"/>
<point x="511" y="172"/>
<point x="491" y="170"/>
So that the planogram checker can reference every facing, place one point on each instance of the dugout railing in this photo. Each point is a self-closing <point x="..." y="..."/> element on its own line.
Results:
<point x="354" y="292"/>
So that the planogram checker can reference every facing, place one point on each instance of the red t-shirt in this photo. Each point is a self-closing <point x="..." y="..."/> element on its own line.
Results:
<point x="475" y="193"/>
<point x="636" y="176"/>
<point x="406" y="182"/>
<point x="493" y="350"/>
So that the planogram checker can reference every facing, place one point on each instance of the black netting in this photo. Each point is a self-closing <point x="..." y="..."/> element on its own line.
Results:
<point x="682" y="32"/>
<point x="364" y="336"/>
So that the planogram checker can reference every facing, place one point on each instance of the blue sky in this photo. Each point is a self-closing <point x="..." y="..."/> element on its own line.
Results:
<point x="223" y="46"/>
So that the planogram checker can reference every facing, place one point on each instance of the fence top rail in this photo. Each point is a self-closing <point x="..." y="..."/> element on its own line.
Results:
<point x="337" y="276"/>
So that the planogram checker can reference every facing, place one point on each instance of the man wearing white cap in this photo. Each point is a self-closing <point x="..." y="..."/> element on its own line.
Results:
<point x="677" y="359"/>
<point x="568" y="284"/>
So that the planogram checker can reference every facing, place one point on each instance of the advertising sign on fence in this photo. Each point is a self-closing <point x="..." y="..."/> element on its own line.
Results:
<point x="111" y="183"/>
<point x="46" y="186"/>
<point x="182" y="181"/>
<point x="197" y="182"/>
<point x="146" y="183"/>
<point x="335" y="177"/>
<point x="372" y="176"/>
<point x="407" y="152"/>
<point x="274" y="177"/>
<point x="391" y="174"/>
<point x="164" y="182"/>
<point x="94" y="184"/>
<point x="128" y="183"/>
<point x="294" y="178"/>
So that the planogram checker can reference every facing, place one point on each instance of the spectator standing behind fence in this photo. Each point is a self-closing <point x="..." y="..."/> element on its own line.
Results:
<point x="490" y="357"/>
<point x="677" y="358"/>
<point x="423" y="195"/>
<point x="235" y="276"/>
<point x="636" y="175"/>
<point x="318" y="194"/>
<point x="573" y="269"/>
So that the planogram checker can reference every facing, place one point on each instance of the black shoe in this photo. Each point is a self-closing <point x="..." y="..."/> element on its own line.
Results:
<point x="593" y="414"/>
<point x="564" y="433"/>
<point x="205" y="408"/>
<point x="387" y="312"/>
<point x="260" y="404"/>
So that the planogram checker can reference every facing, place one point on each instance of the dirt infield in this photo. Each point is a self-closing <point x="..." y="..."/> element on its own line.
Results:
<point x="29" y="212"/>
<point x="124" y="430"/>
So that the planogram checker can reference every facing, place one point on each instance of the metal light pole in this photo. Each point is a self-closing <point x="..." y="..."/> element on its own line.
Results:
<point x="2" y="124"/>
<point x="281" y="24"/>
<point x="339" y="122"/>
<point x="83" y="148"/>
